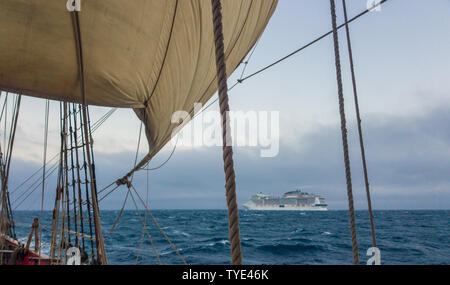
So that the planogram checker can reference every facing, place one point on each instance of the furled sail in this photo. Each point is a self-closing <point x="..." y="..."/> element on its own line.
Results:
<point x="156" y="56"/>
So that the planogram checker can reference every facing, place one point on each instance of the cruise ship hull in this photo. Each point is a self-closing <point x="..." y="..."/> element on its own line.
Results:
<point x="290" y="201"/>
<point x="285" y="208"/>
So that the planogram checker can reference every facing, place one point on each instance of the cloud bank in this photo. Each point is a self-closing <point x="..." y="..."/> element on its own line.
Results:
<point x="408" y="162"/>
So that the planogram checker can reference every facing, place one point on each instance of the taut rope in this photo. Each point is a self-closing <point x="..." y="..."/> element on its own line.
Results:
<point x="230" y="186"/>
<point x="358" y="119"/>
<point x="118" y="217"/>
<point x="348" y="174"/>
<point x="145" y="228"/>
<point x="147" y="211"/>
<point x="47" y="107"/>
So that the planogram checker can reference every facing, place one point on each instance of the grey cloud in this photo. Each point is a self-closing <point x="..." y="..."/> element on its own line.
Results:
<point x="408" y="162"/>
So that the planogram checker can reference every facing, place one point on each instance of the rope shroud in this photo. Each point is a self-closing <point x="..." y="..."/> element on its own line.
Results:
<point x="348" y="175"/>
<point x="230" y="185"/>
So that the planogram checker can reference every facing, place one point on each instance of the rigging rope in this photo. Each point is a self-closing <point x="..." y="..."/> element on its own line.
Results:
<point x="4" y="105"/>
<point x="38" y="180"/>
<point x="59" y="187"/>
<point x="158" y="226"/>
<point x="87" y="202"/>
<point x="128" y="192"/>
<point x="131" y="179"/>
<point x="344" y="134"/>
<point x="358" y="119"/>
<point x="66" y="171"/>
<point x="98" y="123"/>
<point x="146" y="205"/>
<point x="143" y="168"/>
<point x="50" y="172"/>
<point x="29" y="178"/>
<point x="147" y="212"/>
<point x="47" y="106"/>
<point x="118" y="217"/>
<point x="78" y="169"/>
<point x="6" y="118"/>
<point x="230" y="186"/>
<point x="164" y="163"/>
<point x="146" y="230"/>
<point x="145" y="216"/>
<point x="72" y="170"/>
<point x="314" y="41"/>
<point x="107" y="194"/>
<point x="246" y="63"/>
<point x="103" y="119"/>
<point x="12" y="134"/>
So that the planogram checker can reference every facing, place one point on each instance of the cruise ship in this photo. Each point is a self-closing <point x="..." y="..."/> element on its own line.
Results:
<point x="290" y="201"/>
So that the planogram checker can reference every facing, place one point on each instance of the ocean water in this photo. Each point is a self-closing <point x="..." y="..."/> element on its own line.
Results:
<point x="201" y="236"/>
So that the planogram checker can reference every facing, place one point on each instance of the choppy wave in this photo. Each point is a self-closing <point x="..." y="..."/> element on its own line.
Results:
<point x="404" y="237"/>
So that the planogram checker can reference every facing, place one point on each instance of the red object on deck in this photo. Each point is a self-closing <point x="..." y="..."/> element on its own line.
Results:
<point x="30" y="257"/>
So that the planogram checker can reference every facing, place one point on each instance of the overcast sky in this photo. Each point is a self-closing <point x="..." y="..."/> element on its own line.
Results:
<point x="402" y="66"/>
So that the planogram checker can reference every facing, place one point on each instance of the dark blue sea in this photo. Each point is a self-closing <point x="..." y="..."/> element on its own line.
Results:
<point x="404" y="237"/>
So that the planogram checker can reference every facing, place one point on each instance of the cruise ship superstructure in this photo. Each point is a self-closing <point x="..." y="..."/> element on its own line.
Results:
<point x="290" y="201"/>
